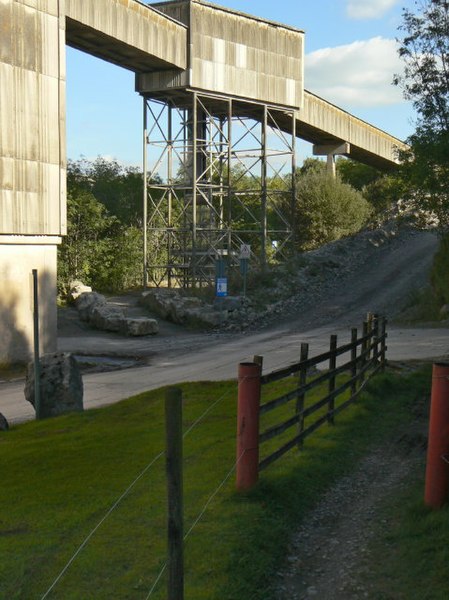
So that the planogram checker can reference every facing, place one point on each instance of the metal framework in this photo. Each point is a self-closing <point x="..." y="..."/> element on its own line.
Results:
<point x="221" y="176"/>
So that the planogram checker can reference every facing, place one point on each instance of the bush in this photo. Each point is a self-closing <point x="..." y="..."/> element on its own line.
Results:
<point x="98" y="249"/>
<point x="327" y="209"/>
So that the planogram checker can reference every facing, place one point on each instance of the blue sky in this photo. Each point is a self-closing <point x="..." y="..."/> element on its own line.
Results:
<point x="350" y="60"/>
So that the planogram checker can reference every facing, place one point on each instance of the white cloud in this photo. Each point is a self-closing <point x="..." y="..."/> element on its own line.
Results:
<point x="368" y="9"/>
<point x="357" y="74"/>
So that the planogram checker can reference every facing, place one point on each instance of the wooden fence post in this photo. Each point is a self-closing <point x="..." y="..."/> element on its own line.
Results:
<point x="376" y="351"/>
<point x="332" y="365"/>
<point x="365" y="345"/>
<point x="437" y="468"/>
<point x="301" y="381"/>
<point x="354" y="361"/>
<point x="383" y="343"/>
<point x="369" y="323"/>
<point x="36" y="357"/>
<point x="247" y="468"/>
<point x="173" y="428"/>
<point x="258" y="360"/>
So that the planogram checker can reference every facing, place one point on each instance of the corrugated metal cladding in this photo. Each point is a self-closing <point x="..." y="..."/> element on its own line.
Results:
<point x="239" y="55"/>
<point x="331" y="122"/>
<point x="32" y="115"/>
<point x="127" y="29"/>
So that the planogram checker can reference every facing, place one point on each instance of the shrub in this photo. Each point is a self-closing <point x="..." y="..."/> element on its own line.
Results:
<point x="327" y="209"/>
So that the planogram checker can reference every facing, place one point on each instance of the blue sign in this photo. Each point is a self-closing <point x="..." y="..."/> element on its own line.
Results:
<point x="222" y="287"/>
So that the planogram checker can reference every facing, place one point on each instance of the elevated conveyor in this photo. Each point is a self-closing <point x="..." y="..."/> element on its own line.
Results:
<point x="177" y="49"/>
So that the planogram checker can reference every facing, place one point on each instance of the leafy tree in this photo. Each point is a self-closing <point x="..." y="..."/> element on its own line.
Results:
<point x="118" y="188"/>
<point x="425" y="52"/>
<point x="312" y="164"/>
<point x="84" y="248"/>
<point x="103" y="246"/>
<point x="383" y="194"/>
<point x="356" y="174"/>
<point x="327" y="209"/>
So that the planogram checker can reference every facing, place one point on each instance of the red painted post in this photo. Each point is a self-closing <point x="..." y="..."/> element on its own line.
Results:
<point x="247" y="470"/>
<point x="437" y="468"/>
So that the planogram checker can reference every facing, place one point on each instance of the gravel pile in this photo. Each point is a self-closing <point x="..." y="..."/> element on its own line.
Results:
<point x="304" y="281"/>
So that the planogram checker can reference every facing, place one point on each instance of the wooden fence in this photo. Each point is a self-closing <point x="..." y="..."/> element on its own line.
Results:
<point x="344" y="378"/>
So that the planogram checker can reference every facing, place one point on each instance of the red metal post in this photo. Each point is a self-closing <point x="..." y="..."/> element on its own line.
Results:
<point x="247" y="469"/>
<point x="437" y="468"/>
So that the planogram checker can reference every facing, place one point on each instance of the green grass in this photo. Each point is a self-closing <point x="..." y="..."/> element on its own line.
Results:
<point x="416" y="547"/>
<point x="60" y="476"/>
<point x="416" y="544"/>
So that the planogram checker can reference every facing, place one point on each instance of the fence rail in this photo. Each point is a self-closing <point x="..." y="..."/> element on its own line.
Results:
<point x="367" y="356"/>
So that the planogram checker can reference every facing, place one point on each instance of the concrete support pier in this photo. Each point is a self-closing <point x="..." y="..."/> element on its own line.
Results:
<point x="32" y="168"/>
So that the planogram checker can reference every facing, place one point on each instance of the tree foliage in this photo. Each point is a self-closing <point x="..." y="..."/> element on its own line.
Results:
<point x="356" y="174"/>
<point x="327" y="209"/>
<point x="103" y="245"/>
<point x="425" y="52"/>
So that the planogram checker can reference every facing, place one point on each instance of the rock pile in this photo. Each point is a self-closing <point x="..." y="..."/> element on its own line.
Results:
<point x="94" y="309"/>
<point x="170" y="305"/>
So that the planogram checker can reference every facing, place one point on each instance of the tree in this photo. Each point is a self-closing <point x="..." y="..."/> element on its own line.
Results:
<point x="326" y="209"/>
<point x="356" y="174"/>
<point x="103" y="246"/>
<point x="425" y="52"/>
<point x="84" y="249"/>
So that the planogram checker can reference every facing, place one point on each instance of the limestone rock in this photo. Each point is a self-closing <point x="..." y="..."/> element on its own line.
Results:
<point x="203" y="317"/>
<point x="77" y="288"/>
<point x="61" y="385"/>
<point x="4" y="426"/>
<point x="444" y="310"/>
<point x="86" y="302"/>
<point x="140" y="326"/>
<point x="229" y="303"/>
<point x="107" y="317"/>
<point x="170" y="305"/>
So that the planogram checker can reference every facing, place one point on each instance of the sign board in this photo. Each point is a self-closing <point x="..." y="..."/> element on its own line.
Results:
<point x="245" y="251"/>
<point x="222" y="287"/>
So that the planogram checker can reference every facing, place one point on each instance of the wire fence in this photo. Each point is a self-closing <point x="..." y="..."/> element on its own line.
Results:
<point x="207" y="413"/>
<point x="230" y="392"/>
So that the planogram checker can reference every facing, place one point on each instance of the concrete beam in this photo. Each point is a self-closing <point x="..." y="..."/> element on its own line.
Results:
<point x="334" y="149"/>
<point x="331" y="151"/>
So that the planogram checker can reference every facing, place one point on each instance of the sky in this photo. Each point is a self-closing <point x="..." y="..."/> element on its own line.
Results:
<point x="350" y="60"/>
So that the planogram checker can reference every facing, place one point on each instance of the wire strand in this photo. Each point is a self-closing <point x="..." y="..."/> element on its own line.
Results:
<point x="196" y="521"/>
<point x="198" y="518"/>
<point x="205" y="413"/>
<point x="161" y="572"/>
<point x="109" y="512"/>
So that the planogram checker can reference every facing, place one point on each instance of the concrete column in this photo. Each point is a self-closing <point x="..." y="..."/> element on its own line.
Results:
<point x="331" y="151"/>
<point x="32" y="167"/>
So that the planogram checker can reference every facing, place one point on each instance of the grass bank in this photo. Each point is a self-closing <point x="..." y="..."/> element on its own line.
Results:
<point x="61" y="476"/>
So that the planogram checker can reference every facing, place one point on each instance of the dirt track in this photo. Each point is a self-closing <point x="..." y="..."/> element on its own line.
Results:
<point x="375" y="279"/>
<point x="368" y="278"/>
